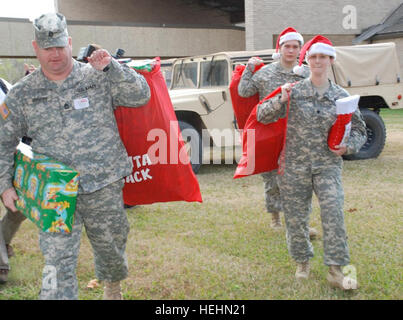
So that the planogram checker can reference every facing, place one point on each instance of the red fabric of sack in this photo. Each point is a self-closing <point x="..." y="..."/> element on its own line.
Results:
<point x="261" y="144"/>
<point x="161" y="168"/>
<point x="242" y="106"/>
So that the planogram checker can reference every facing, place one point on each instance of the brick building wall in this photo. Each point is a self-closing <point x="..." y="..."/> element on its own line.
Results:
<point x="266" y="19"/>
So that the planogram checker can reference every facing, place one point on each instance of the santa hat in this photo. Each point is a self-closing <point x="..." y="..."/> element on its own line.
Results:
<point x="287" y="34"/>
<point x="318" y="44"/>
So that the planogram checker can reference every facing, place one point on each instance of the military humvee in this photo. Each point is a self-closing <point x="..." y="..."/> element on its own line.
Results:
<point x="200" y="95"/>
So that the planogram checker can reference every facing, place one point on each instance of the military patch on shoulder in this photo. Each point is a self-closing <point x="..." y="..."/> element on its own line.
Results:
<point x="4" y="111"/>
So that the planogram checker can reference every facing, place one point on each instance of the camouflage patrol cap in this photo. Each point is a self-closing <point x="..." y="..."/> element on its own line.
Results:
<point x="51" y="30"/>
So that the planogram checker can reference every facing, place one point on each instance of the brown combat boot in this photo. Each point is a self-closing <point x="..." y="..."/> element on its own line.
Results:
<point x="112" y="291"/>
<point x="337" y="279"/>
<point x="275" y="220"/>
<point x="3" y="276"/>
<point x="10" y="251"/>
<point x="302" y="272"/>
<point x="313" y="233"/>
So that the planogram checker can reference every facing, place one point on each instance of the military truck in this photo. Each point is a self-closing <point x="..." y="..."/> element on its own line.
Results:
<point x="200" y="95"/>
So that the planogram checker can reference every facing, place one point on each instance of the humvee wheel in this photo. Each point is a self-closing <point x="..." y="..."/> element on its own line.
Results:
<point x="376" y="133"/>
<point x="193" y="144"/>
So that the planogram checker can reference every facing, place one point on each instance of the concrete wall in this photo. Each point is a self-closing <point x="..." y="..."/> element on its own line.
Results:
<point x="164" y="42"/>
<point x="16" y="36"/>
<point x="143" y="28"/>
<point x="265" y="19"/>
<point x="167" y="28"/>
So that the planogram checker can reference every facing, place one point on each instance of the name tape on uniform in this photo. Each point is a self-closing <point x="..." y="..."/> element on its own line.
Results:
<point x="81" y="103"/>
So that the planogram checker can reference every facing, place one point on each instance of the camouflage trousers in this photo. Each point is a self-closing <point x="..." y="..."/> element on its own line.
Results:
<point x="297" y="187"/>
<point x="8" y="227"/>
<point x="271" y="191"/>
<point x="103" y="216"/>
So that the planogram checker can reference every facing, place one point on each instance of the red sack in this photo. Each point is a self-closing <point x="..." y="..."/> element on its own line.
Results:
<point x="261" y="143"/>
<point x="161" y="168"/>
<point x="242" y="106"/>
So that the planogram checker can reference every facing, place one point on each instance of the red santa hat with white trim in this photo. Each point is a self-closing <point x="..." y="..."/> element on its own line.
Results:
<point x="318" y="44"/>
<point x="287" y="34"/>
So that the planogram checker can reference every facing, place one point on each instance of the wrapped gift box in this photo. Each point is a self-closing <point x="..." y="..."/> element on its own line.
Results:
<point x="47" y="191"/>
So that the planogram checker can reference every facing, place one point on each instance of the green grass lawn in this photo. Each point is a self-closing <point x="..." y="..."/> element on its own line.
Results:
<point x="224" y="248"/>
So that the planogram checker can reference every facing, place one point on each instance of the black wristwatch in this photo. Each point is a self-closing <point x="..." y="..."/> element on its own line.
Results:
<point x="106" y="68"/>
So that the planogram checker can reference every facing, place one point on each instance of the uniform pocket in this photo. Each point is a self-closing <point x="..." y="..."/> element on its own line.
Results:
<point x="43" y="117"/>
<point x="326" y="114"/>
<point x="83" y="111"/>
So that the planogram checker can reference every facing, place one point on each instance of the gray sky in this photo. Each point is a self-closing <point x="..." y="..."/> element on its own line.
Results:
<point x="25" y="8"/>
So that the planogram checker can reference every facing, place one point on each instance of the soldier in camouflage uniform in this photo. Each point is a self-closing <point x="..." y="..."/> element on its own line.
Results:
<point x="11" y="221"/>
<point x="66" y="107"/>
<point x="311" y="166"/>
<point x="264" y="81"/>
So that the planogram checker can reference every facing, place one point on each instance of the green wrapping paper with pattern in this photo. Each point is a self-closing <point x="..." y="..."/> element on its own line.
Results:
<point x="47" y="191"/>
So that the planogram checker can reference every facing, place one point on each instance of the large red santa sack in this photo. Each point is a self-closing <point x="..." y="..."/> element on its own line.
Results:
<point x="161" y="168"/>
<point x="261" y="143"/>
<point x="242" y="106"/>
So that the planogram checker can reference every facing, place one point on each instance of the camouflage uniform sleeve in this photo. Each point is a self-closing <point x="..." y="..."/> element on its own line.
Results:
<point x="247" y="86"/>
<point x="128" y="88"/>
<point x="271" y="110"/>
<point x="358" y="133"/>
<point x="11" y="128"/>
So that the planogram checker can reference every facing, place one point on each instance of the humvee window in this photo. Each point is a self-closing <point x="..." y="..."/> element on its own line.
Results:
<point x="214" y="73"/>
<point x="185" y="75"/>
